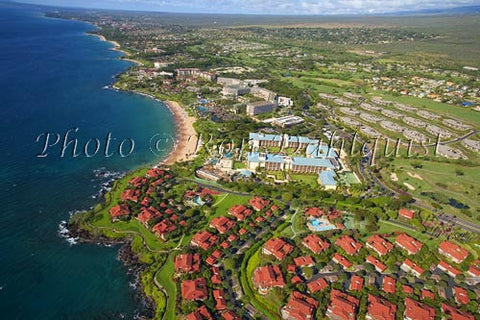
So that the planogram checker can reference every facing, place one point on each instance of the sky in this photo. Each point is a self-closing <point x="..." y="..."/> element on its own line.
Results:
<point x="301" y="7"/>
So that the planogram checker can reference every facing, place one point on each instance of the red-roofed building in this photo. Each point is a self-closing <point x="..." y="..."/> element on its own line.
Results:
<point x="119" y="211"/>
<point x="147" y="214"/>
<point x="348" y="244"/>
<point x="453" y="251"/>
<point x="220" y="302"/>
<point x="461" y="295"/>
<point x="145" y="202"/>
<point x="230" y="315"/>
<point x="225" y="244"/>
<point x="342" y="306"/>
<point x="415" y="310"/>
<point x="356" y="283"/>
<point x="315" y="243"/>
<point x="222" y="224"/>
<point x="409" y="244"/>
<point x="317" y="285"/>
<point x="216" y="276"/>
<point x="188" y="262"/>
<point x="277" y="247"/>
<point x="163" y="228"/>
<point x="195" y="289"/>
<point x="131" y="195"/>
<point x="242" y="231"/>
<point x="451" y="271"/>
<point x="201" y="313"/>
<point x="474" y="270"/>
<point x="296" y="280"/>
<point x="379" y="245"/>
<point x="407" y="289"/>
<point x="427" y="294"/>
<point x="406" y="213"/>
<point x="341" y="260"/>
<point x="379" y="266"/>
<point x="137" y="181"/>
<point x="452" y="313"/>
<point x="240" y="212"/>
<point x="389" y="285"/>
<point x="410" y="266"/>
<point x="299" y="307"/>
<point x="379" y="309"/>
<point x="155" y="173"/>
<point x="304" y="261"/>
<point x="314" y="212"/>
<point x="258" y="204"/>
<point x="267" y="277"/>
<point x="204" y="240"/>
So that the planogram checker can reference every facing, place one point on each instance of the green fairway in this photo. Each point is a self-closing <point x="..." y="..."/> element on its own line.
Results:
<point x="164" y="277"/>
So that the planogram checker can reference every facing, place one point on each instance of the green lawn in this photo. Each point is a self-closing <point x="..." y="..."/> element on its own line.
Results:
<point x="165" y="279"/>
<point x="449" y="179"/>
<point x="310" y="179"/>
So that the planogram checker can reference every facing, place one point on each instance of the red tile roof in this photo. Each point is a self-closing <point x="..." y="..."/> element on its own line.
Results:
<point x="407" y="289"/>
<point x="455" y="314"/>
<point x="408" y="243"/>
<point x="230" y="315"/>
<point x="348" y="244"/>
<point x="427" y="294"/>
<point x="453" y="251"/>
<point x="299" y="307"/>
<point x="461" y="295"/>
<point x="342" y="306"/>
<point x="137" y="181"/>
<point x="304" y="261"/>
<point x="219" y="296"/>
<point x="317" y="285"/>
<point x="406" y="213"/>
<point x="204" y="240"/>
<point x="258" y="203"/>
<point x="379" y="266"/>
<point x="315" y="243"/>
<point x="277" y="247"/>
<point x="415" y="310"/>
<point x="314" y="212"/>
<point x="155" y="173"/>
<point x="379" y="309"/>
<point x="164" y="227"/>
<point x="188" y="262"/>
<point x="240" y="212"/>
<point x="195" y="289"/>
<point x="201" y="313"/>
<point x="379" y="245"/>
<point x="408" y="265"/>
<point x="474" y="269"/>
<point x="356" y="283"/>
<point x="453" y="272"/>
<point x="120" y="210"/>
<point x="268" y="277"/>
<point x="389" y="285"/>
<point x="341" y="260"/>
<point x="131" y="194"/>
<point x="296" y="280"/>
<point x="145" y="202"/>
<point x="242" y="231"/>
<point x="216" y="276"/>
<point x="147" y="214"/>
<point x="222" y="224"/>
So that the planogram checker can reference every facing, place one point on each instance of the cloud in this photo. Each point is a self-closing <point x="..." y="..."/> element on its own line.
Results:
<point x="267" y="6"/>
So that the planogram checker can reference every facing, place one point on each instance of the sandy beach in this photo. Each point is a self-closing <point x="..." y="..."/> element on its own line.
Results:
<point x="116" y="47"/>
<point x="186" y="136"/>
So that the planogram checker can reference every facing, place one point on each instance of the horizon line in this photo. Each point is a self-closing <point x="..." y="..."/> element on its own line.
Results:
<point x="421" y="12"/>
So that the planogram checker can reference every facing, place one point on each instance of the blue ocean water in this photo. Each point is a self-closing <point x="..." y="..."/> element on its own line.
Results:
<point x="51" y="79"/>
